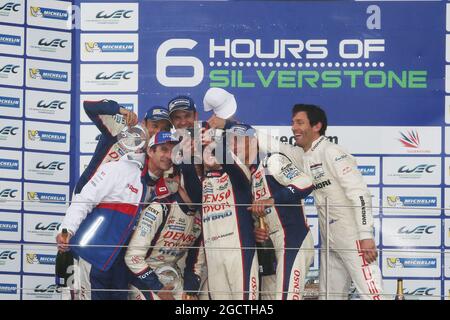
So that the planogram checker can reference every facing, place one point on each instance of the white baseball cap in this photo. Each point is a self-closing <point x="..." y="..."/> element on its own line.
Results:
<point x="220" y="101"/>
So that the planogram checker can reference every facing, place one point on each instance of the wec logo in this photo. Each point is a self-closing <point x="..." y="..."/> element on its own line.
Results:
<point x="119" y="75"/>
<point x="8" y="255"/>
<point x="9" y="68"/>
<point x="8" y="193"/>
<point x="422" y="291"/>
<point x="118" y="14"/>
<point x="9" y="130"/>
<point x="54" y="165"/>
<point x="417" y="230"/>
<point x="55" y="104"/>
<point x="10" y="6"/>
<point x="421" y="168"/>
<point x="54" y="226"/>
<point x="50" y="289"/>
<point x="61" y="43"/>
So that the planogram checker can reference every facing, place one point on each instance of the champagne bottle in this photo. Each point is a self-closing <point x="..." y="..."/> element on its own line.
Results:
<point x="64" y="261"/>
<point x="399" y="295"/>
<point x="266" y="254"/>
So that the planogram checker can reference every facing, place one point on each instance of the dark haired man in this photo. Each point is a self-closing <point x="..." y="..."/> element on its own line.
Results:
<point x="102" y="216"/>
<point x="337" y="179"/>
<point x="338" y="185"/>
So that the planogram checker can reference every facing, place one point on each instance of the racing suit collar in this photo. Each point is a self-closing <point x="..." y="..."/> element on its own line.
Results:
<point x="151" y="178"/>
<point x="316" y="143"/>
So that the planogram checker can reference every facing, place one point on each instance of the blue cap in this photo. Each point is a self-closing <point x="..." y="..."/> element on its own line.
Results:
<point x="162" y="137"/>
<point x="157" y="113"/>
<point x="181" y="103"/>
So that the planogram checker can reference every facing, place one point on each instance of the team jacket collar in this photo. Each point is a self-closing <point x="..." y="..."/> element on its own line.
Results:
<point x="316" y="143"/>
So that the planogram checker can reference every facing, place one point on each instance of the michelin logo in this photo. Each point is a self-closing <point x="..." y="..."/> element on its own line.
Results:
<point x="428" y="263"/>
<point x="10" y="40"/>
<point x="9" y="102"/>
<point x="49" y="13"/>
<point x="47" y="259"/>
<point x="9" y="226"/>
<point x="367" y="170"/>
<point x="47" y="136"/>
<point x="50" y="75"/>
<point x="8" y="288"/>
<point x="110" y="47"/>
<point x="46" y="197"/>
<point x="9" y="164"/>
<point x="410" y="201"/>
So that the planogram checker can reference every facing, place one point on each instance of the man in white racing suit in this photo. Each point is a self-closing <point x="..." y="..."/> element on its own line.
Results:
<point x="336" y="178"/>
<point x="339" y="185"/>
<point x="167" y="231"/>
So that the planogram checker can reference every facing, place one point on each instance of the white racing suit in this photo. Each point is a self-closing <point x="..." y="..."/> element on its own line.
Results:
<point x="288" y="228"/>
<point x="336" y="177"/>
<point x="166" y="232"/>
<point x="228" y="232"/>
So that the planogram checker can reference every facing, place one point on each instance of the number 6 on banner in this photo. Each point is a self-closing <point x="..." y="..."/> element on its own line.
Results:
<point x="163" y="62"/>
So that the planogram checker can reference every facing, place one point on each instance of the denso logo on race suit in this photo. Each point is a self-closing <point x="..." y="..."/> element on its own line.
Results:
<point x="217" y="197"/>
<point x="296" y="295"/>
